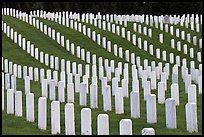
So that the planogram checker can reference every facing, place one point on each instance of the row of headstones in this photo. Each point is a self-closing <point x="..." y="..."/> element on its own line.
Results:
<point x="194" y="26"/>
<point x="194" y="72"/>
<point x="61" y="40"/>
<point x="44" y="58"/>
<point x="58" y="39"/>
<point x="125" y="125"/>
<point x="14" y="106"/>
<point x="127" y="51"/>
<point x="52" y="82"/>
<point x="157" y="19"/>
<point x="55" y="60"/>
<point x="174" y="21"/>
<point x="30" y="116"/>
<point x="195" y="75"/>
<point x="185" y="49"/>
<point x="172" y="41"/>
<point x="106" y="45"/>
<point x="161" y="39"/>
<point x="98" y="41"/>
<point x="171" y="31"/>
<point x="83" y="88"/>
<point x="150" y="35"/>
<point x="126" y="18"/>
<point x="121" y="92"/>
<point x="172" y="46"/>
<point x="177" y="61"/>
<point x="100" y="62"/>
<point x="139" y="43"/>
<point x="132" y="58"/>
<point x="116" y="18"/>
<point x="177" y="34"/>
<point x="192" y="22"/>
<point x="191" y="98"/>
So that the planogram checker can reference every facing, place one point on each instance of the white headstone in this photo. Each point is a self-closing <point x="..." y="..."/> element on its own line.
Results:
<point x="30" y="107"/>
<point x="86" y="126"/>
<point x="125" y="127"/>
<point x="82" y="94"/>
<point x="135" y="104"/>
<point x="175" y="92"/>
<point x="191" y="117"/>
<point x="170" y="110"/>
<point x="119" y="104"/>
<point x="103" y="124"/>
<point x="70" y="93"/>
<point x="69" y="119"/>
<point x="151" y="109"/>
<point x="27" y="84"/>
<point x="148" y="131"/>
<point x="107" y="98"/>
<point x="42" y="113"/>
<point x="61" y="92"/>
<point x="192" y="97"/>
<point x="10" y="101"/>
<point x="18" y="103"/>
<point x="55" y="117"/>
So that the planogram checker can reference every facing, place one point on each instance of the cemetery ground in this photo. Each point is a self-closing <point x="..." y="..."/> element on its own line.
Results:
<point x="12" y="52"/>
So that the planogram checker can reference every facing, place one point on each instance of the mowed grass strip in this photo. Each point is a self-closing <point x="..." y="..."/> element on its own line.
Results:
<point x="83" y="41"/>
<point x="13" y="52"/>
<point x="109" y="36"/>
<point x="40" y="40"/>
<point x="167" y="40"/>
<point x="166" y="46"/>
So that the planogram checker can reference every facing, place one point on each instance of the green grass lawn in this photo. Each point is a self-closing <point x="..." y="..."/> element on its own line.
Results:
<point x="16" y="125"/>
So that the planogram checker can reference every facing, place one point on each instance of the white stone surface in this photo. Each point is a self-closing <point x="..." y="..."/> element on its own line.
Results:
<point x="135" y="104"/>
<point x="30" y="107"/>
<point x="148" y="131"/>
<point x="191" y="117"/>
<point x="10" y="101"/>
<point x="170" y="110"/>
<point x="42" y="113"/>
<point x="175" y="93"/>
<point x="69" y="119"/>
<point x="119" y="104"/>
<point x="103" y="124"/>
<point x="82" y="94"/>
<point x="125" y="127"/>
<point x="86" y="124"/>
<point x="18" y="103"/>
<point x="151" y="109"/>
<point x="107" y="98"/>
<point x="55" y="117"/>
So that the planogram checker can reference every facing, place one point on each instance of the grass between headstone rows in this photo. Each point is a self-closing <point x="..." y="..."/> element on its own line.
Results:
<point x="126" y="45"/>
<point x="167" y="41"/>
<point x="154" y="40"/>
<point x="40" y="40"/>
<point x="138" y="124"/>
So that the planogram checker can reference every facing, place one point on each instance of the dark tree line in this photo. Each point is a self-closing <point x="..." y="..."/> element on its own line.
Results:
<point x="154" y="8"/>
